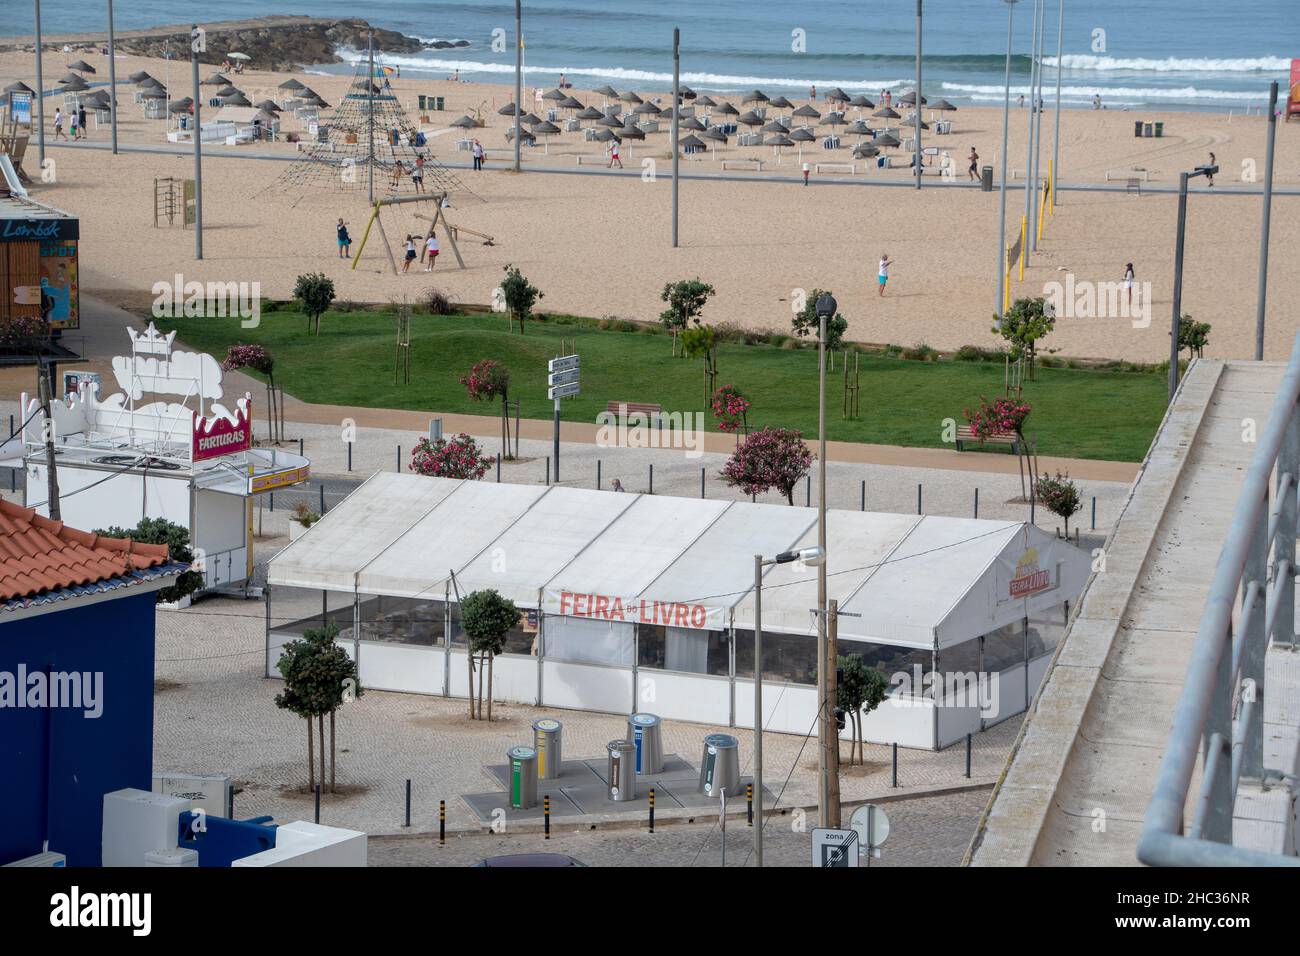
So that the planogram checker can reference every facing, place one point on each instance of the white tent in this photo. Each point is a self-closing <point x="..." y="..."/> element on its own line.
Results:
<point x="618" y="585"/>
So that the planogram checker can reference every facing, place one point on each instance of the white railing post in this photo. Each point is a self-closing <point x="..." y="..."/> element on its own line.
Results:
<point x="1284" y="544"/>
<point x="1253" y="641"/>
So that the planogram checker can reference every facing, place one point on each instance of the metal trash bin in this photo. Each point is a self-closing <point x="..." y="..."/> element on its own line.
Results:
<point x="644" y="732"/>
<point x="523" y="777"/>
<point x="622" y="770"/>
<point x="1147" y="129"/>
<point x="547" y="742"/>
<point x="986" y="179"/>
<point x="438" y="102"/>
<point x="720" y="765"/>
<point x="1160" y="128"/>
<point x="1137" y="128"/>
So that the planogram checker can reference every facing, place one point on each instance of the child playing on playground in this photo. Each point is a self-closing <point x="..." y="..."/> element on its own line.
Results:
<point x="431" y="252"/>
<point x="882" y="275"/>
<point x="417" y="174"/>
<point x="410" y="253"/>
<point x="345" y="241"/>
<point x="397" y="173"/>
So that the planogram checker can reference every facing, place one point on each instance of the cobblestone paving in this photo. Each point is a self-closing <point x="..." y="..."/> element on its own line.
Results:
<point x="924" y="831"/>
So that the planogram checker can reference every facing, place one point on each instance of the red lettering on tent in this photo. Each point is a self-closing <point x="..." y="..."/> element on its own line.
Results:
<point x="698" y="615"/>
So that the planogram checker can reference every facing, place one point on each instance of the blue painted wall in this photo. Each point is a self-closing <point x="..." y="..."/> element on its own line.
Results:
<point x="56" y="764"/>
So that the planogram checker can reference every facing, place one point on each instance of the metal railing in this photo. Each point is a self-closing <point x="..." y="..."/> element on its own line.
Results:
<point x="1220" y="714"/>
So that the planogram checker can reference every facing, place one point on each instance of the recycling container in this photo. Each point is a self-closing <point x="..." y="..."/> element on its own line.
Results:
<point x="546" y="741"/>
<point x="644" y="732"/>
<point x="986" y="179"/>
<point x="720" y="765"/>
<point x="1137" y="128"/>
<point x="523" y="777"/>
<point x="438" y="102"/>
<point x="622" y="770"/>
<point x="1160" y="128"/>
<point x="1147" y="129"/>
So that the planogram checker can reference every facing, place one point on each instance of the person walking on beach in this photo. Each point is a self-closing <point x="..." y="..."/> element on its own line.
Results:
<point x="1096" y="101"/>
<point x="477" y="151"/>
<point x="72" y="123"/>
<point x="812" y="93"/>
<point x="410" y="253"/>
<point x="1128" y="282"/>
<point x="613" y="154"/>
<point x="58" y="124"/>
<point x="562" y="83"/>
<point x="81" y="120"/>
<point x="430" y="252"/>
<point x="1209" y="177"/>
<point x="882" y="275"/>
<point x="345" y="241"/>
<point x="973" y="171"/>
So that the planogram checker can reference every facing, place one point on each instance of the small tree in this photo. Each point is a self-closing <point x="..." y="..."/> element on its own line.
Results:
<point x="701" y="342"/>
<point x="177" y="539"/>
<point x="250" y="356"/>
<point x="1193" y="336"/>
<point x="486" y="618"/>
<point x="769" y="458"/>
<point x="730" y="408"/>
<point x="686" y="299"/>
<point x="1061" y="497"/>
<point x="860" y="690"/>
<point x="520" y="295"/>
<point x="1024" y="325"/>
<point x="806" y="322"/>
<point x="487" y="380"/>
<point x="458" y="457"/>
<point x="315" y="291"/>
<point x="319" y="677"/>
<point x="1004" y="416"/>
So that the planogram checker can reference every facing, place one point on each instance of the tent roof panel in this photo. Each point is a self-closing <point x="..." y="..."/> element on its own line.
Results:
<point x="718" y="567"/>
<point x="354" y="531"/>
<point x="447" y="538"/>
<point x="546" y="538"/>
<point x="646" y="539"/>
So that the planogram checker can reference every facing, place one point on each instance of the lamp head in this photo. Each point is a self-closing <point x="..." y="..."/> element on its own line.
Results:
<point x="813" y="557"/>
<point x="826" y="306"/>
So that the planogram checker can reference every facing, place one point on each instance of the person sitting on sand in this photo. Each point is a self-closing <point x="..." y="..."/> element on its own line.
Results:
<point x="974" y="164"/>
<point x="882" y="275"/>
<point x="410" y="253"/>
<point x="345" y="241"/>
<point x="430" y="252"/>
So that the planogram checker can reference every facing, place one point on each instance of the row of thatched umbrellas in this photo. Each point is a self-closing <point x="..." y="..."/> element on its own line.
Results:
<point x="780" y="134"/>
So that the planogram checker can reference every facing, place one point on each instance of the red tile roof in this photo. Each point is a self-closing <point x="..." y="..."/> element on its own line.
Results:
<point x="39" y="555"/>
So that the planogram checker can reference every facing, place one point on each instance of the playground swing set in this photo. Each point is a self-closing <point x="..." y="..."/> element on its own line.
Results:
<point x="439" y="217"/>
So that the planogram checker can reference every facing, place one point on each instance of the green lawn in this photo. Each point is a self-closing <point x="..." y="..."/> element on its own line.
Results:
<point x="1077" y="413"/>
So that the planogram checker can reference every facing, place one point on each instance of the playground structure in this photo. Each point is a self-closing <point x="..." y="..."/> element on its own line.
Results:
<point x="172" y="196"/>
<point x="439" y="217"/>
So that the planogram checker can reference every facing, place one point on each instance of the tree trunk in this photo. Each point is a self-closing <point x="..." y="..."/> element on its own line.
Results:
<point x="481" y="682"/>
<point x="320" y="723"/>
<point x="469" y="658"/>
<point x="491" y="658"/>
<point x="311" y="759"/>
<point x="332" y="751"/>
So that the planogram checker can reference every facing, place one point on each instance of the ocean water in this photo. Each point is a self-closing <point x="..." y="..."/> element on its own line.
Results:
<point x="1181" y="54"/>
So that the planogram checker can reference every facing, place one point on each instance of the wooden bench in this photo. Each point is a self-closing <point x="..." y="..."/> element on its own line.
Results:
<point x="966" y="434"/>
<point x="754" y="164"/>
<point x="849" y="168"/>
<point x="650" y="410"/>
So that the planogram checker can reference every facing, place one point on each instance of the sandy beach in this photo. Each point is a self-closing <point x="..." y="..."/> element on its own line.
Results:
<point x="599" y="245"/>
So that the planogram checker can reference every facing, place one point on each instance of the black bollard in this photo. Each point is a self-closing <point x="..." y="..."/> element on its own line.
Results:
<point x="322" y="500"/>
<point x="399" y="459"/>
<point x="652" y="809"/>
<point x="546" y="814"/>
<point x="598" y="474"/>
<point x="968" y="739"/>
<point x="300" y="451"/>
<point x="918" y="497"/>
<point x="701" y="482"/>
<point x="442" y="823"/>
<point x="749" y="801"/>
<point x="864" y="494"/>
<point x="498" y="468"/>
<point x="977" y="502"/>
<point x="548" y="471"/>
<point x="318" y="803"/>
<point x="408" y="803"/>
<point x="894" y="775"/>
<point x="808" y="492"/>
<point x="349" y="456"/>
<point x="1094" y="512"/>
<point x="652" y="474"/>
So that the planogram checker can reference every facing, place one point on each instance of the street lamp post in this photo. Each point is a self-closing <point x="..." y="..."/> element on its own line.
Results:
<point x="519" y="78"/>
<point x="1002" y="215"/>
<point x="813" y="556"/>
<point x="1178" y="271"/>
<point x="828" y="791"/>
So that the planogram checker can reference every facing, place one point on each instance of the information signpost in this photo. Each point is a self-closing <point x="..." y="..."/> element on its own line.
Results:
<point x="562" y="375"/>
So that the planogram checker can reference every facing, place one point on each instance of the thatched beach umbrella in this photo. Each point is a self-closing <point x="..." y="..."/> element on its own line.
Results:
<point x="780" y="103"/>
<point x="227" y="90"/>
<point x="74" y="85"/>
<point x="182" y="106"/>
<point x="706" y="101"/>
<point x="465" y="122"/>
<point x="943" y="106"/>
<point x="692" y="123"/>
<point x="865" y="151"/>
<point x="754" y="96"/>
<point x="509" y="110"/>
<point x="750" y="119"/>
<point x="590" y="113"/>
<point x="137" y="77"/>
<point x="605" y="135"/>
<point x="859" y="128"/>
<point x="239" y="99"/>
<point x="774" y="126"/>
<point x="909" y="99"/>
<point x="270" y="106"/>
<point x="714" y="133"/>
<point x="862" y="103"/>
<point x="556" y="95"/>
<point x="525" y="136"/>
<point x="690" y="142"/>
<point x="647" y="109"/>
<point x="571" y="103"/>
<point x="834" y="119"/>
<point x="631" y="132"/>
<point x="726" y="109"/>
<point x="532" y="119"/>
<point x="837" y="95"/>
<point x="289" y="84"/>
<point x="81" y="66"/>
<point x="19" y="87"/>
<point x="777" y="141"/>
<point x="615" y="121"/>
<point x="546" y="130"/>
<point x="884" y="140"/>
<point x="153" y="93"/>
<point x="686" y="93"/>
<point x="630" y="97"/>
<point x="607" y="90"/>
<point x="885" y="113"/>
<point x="807" y="112"/>
<point x="216" y="79"/>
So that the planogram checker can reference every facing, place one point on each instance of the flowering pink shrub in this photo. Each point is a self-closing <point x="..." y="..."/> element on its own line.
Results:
<point x="488" y="379"/>
<point x="22" y="328"/>
<point x="457" y="457"/>
<point x="729" y="408"/>
<point x="1002" y="416"/>
<point x="769" y="458"/>
<point x="248" y="356"/>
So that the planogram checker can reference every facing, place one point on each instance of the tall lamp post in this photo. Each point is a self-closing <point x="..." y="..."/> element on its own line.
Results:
<point x="811" y="556"/>
<point x="519" y="78"/>
<point x="828" y="754"/>
<point x="1178" y="271"/>
<point x="40" y="93"/>
<point x="1002" y="215"/>
<point x="1264" y="223"/>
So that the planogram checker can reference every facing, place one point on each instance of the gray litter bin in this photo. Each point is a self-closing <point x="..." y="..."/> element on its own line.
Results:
<point x="547" y="741"/>
<point x="986" y="179"/>
<point x="523" y="777"/>
<point x="643" y="730"/>
<point x="720" y="765"/>
<point x="622" y="770"/>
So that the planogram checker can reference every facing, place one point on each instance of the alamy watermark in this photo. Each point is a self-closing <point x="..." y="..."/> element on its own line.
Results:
<point x="1083" y="299"/>
<point x="39" y="689"/>
<point x="208" y="300"/>
<point x="683" y="430"/>
<point x="920" y="688"/>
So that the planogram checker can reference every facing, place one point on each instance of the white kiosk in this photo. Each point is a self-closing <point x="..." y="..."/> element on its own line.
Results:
<point x="182" y="456"/>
